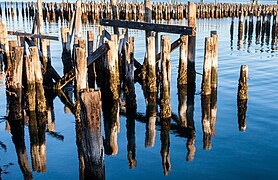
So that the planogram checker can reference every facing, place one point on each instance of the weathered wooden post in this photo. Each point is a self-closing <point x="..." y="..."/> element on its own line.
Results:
<point x="81" y="69"/>
<point x="91" y="69"/>
<point x="91" y="134"/>
<point x="242" y="96"/>
<point x="78" y="24"/>
<point x="115" y="14"/>
<point x="165" y="107"/>
<point x="112" y="67"/>
<point x="208" y="57"/>
<point x="191" y="43"/>
<point x="150" y="92"/>
<point x="129" y="81"/>
<point x="151" y="65"/>
<point x="66" y="54"/>
<point x="214" y="81"/>
<point x="41" y="102"/>
<point x="14" y="85"/>
<point x="31" y="85"/>
<point x="148" y="15"/>
<point x="46" y="63"/>
<point x="214" y="62"/>
<point x="182" y="74"/>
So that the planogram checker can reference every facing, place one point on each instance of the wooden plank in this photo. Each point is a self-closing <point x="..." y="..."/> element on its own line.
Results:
<point x="54" y="38"/>
<point x="185" y="30"/>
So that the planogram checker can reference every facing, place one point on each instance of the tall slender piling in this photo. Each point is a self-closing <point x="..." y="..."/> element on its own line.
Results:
<point x="129" y="81"/>
<point x="191" y="43"/>
<point x="165" y="107"/>
<point x="91" y="69"/>
<point x="208" y="57"/>
<point x="182" y="74"/>
<point x="214" y="61"/>
<point x="81" y="69"/>
<point x="151" y="65"/>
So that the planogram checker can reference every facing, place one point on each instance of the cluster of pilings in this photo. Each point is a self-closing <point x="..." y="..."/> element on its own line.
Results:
<point x="102" y="79"/>
<point x="91" y="11"/>
<point x="263" y="27"/>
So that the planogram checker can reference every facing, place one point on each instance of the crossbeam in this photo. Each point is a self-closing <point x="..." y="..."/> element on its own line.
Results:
<point x="40" y="36"/>
<point x="175" y="29"/>
<point x="63" y="81"/>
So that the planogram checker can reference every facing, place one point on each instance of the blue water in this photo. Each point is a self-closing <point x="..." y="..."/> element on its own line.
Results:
<point x="234" y="155"/>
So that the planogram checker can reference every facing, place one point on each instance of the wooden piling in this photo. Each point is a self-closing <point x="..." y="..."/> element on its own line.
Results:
<point x="182" y="74"/>
<point x="214" y="62"/>
<point x="78" y="24"/>
<point x="129" y="81"/>
<point x="208" y="57"/>
<point x="91" y="134"/>
<point x="242" y="97"/>
<point x="191" y="43"/>
<point x="112" y="67"/>
<point x="148" y="15"/>
<point x="81" y="69"/>
<point x="91" y="69"/>
<point x="243" y="85"/>
<point x="151" y="65"/>
<point x="14" y="85"/>
<point x="41" y="102"/>
<point x="165" y="107"/>
<point x="31" y="85"/>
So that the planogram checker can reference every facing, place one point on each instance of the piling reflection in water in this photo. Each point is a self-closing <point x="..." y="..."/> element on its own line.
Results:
<point x="111" y="125"/>
<point x="131" y="144"/>
<point x="265" y="32"/>
<point x="242" y="97"/>
<point x="186" y="114"/>
<point x="17" y="131"/>
<point x="37" y="127"/>
<point x="165" y="145"/>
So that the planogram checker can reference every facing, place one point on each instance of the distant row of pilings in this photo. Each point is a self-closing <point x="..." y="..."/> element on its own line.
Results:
<point x="91" y="11"/>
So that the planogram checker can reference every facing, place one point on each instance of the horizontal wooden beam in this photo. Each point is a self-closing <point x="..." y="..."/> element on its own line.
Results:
<point x="24" y="34"/>
<point x="175" y="29"/>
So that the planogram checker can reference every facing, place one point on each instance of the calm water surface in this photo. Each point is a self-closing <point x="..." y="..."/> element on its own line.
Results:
<point x="234" y="155"/>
